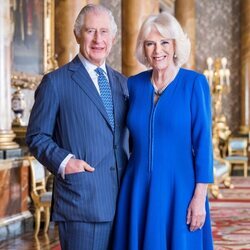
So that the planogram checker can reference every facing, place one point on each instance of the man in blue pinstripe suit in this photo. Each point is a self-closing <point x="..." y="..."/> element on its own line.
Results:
<point x="71" y="133"/>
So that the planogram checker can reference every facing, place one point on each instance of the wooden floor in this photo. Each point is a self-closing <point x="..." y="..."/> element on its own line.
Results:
<point x="27" y="241"/>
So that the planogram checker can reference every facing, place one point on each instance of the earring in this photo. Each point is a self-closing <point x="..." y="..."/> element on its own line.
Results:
<point x="175" y="56"/>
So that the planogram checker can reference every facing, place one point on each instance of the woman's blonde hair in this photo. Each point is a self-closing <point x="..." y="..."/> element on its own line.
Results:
<point x="168" y="27"/>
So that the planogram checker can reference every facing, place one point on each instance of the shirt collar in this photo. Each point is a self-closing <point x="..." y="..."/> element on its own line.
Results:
<point x="89" y="66"/>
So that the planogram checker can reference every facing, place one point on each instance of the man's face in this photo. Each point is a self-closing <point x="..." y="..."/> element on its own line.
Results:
<point x="96" y="38"/>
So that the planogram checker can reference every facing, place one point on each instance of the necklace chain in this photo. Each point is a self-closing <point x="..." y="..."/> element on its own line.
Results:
<point x="158" y="92"/>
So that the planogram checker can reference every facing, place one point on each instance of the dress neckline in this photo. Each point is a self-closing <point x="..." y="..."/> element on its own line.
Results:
<point x="162" y="91"/>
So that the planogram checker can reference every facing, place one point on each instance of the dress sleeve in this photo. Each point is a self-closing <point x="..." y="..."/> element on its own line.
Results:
<point x="202" y="130"/>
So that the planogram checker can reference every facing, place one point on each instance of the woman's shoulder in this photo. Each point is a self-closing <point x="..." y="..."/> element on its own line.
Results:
<point x="141" y="76"/>
<point x="139" y="79"/>
<point x="191" y="77"/>
<point x="195" y="81"/>
<point x="191" y="73"/>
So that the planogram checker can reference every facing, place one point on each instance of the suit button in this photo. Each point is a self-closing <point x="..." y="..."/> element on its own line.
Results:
<point x="112" y="168"/>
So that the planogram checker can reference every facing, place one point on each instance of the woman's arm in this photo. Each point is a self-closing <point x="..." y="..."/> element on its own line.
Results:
<point x="196" y="214"/>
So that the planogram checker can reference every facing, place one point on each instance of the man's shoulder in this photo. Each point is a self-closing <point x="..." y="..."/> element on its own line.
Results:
<point x="62" y="70"/>
<point x="117" y="73"/>
<point x="59" y="71"/>
<point x="57" y="77"/>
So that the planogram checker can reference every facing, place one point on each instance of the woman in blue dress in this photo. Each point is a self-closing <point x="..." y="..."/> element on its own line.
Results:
<point x="163" y="201"/>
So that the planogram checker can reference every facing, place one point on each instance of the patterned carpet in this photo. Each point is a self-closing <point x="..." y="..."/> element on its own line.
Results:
<point x="231" y="216"/>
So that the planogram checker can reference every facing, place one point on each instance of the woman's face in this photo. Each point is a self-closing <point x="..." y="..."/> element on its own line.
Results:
<point x="159" y="50"/>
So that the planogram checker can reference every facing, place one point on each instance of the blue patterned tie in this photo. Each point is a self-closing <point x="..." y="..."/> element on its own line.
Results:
<point x="105" y="93"/>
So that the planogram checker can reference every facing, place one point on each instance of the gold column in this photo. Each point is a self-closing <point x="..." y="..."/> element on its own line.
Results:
<point x="134" y="13"/>
<point x="65" y="14"/>
<point x="185" y="14"/>
<point x="245" y="64"/>
<point x="6" y="133"/>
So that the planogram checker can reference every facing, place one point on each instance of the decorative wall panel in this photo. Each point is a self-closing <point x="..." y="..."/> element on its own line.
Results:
<point x="14" y="188"/>
<point x="114" y="58"/>
<point x="218" y="35"/>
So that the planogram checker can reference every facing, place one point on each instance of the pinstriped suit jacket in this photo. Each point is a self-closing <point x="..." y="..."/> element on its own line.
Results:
<point x="69" y="117"/>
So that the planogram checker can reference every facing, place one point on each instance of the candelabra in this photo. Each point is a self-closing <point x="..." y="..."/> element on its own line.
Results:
<point x="219" y="81"/>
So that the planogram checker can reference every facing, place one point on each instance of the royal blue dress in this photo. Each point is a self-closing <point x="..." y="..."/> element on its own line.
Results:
<point x="172" y="151"/>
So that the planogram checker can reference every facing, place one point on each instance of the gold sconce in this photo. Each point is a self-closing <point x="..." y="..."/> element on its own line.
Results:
<point x="218" y="76"/>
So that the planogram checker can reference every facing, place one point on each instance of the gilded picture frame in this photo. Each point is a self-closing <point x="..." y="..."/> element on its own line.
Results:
<point x="33" y="42"/>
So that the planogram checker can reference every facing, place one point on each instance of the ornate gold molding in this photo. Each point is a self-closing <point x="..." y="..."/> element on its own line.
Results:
<point x="25" y="81"/>
<point x="50" y="62"/>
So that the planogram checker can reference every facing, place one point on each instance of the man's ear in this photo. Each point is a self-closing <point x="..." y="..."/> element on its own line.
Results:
<point x="77" y="37"/>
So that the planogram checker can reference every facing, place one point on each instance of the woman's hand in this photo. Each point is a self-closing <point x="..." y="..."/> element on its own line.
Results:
<point x="196" y="213"/>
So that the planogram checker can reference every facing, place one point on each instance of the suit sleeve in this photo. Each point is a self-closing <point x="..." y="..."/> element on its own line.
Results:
<point x="41" y="126"/>
<point x="202" y="130"/>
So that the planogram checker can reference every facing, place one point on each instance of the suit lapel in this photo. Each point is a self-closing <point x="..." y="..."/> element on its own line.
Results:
<point x="115" y="89"/>
<point x="82" y="78"/>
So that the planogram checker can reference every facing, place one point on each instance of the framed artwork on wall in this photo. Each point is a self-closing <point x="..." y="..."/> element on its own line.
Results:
<point x="32" y="50"/>
<point x="27" y="46"/>
<point x="33" y="40"/>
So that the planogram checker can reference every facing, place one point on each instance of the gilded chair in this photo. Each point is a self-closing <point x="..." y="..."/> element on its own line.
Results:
<point x="221" y="175"/>
<point x="237" y="153"/>
<point x="40" y="197"/>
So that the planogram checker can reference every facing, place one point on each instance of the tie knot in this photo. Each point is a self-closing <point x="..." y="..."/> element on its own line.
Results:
<point x="99" y="71"/>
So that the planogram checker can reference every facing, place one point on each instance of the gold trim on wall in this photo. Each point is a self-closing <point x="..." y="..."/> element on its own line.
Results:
<point x="25" y="81"/>
<point x="50" y="62"/>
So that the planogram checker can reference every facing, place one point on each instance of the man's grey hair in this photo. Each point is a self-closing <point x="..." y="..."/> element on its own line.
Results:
<point x="79" y="22"/>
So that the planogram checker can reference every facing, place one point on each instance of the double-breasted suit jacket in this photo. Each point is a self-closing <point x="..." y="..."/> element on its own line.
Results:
<point x="68" y="117"/>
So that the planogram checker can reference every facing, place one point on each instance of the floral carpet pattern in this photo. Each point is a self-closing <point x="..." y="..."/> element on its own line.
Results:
<point x="231" y="216"/>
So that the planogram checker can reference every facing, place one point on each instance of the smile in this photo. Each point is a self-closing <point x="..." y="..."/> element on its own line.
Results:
<point x="159" y="58"/>
<point x="97" y="48"/>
